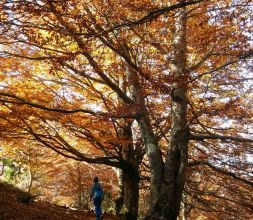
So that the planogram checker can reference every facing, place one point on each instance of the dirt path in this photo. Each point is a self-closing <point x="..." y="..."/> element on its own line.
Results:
<point x="11" y="208"/>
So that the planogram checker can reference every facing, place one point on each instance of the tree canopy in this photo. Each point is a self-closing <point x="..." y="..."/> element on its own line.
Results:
<point x="159" y="89"/>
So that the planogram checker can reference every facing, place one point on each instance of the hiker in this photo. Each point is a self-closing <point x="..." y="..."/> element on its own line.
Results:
<point x="97" y="194"/>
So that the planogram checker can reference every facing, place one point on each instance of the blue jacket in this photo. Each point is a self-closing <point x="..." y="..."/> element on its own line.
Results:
<point x="96" y="191"/>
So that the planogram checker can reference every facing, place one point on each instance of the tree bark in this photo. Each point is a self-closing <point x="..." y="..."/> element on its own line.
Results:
<point x="131" y="191"/>
<point x="167" y="204"/>
<point x="150" y="141"/>
<point x="155" y="159"/>
<point x="130" y="174"/>
<point x="119" y="201"/>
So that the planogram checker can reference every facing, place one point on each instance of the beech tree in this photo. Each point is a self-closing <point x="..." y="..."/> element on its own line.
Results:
<point x="180" y="69"/>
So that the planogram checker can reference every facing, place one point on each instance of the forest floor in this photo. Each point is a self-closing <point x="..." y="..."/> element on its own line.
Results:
<point x="16" y="205"/>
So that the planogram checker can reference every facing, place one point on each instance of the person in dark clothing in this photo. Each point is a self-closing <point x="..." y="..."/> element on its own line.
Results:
<point x="97" y="194"/>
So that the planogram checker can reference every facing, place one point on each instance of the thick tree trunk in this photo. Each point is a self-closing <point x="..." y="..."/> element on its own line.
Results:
<point x="130" y="174"/>
<point x="174" y="179"/>
<point x="155" y="159"/>
<point x="183" y="211"/>
<point x="131" y="191"/>
<point x="119" y="201"/>
<point x="167" y="205"/>
<point x="150" y="141"/>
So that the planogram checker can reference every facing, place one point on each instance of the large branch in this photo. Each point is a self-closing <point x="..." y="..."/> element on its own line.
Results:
<point x="105" y="79"/>
<point x="89" y="57"/>
<point x="219" y="170"/>
<point x="21" y="101"/>
<point x="76" y="155"/>
<point x="231" y="62"/>
<point x="81" y="73"/>
<point x="150" y="16"/>
<point x="107" y="159"/>
<point x="60" y="146"/>
<point x="65" y="149"/>
<point x="220" y="137"/>
<point x="38" y="58"/>
<point x="108" y="81"/>
<point x="214" y="194"/>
